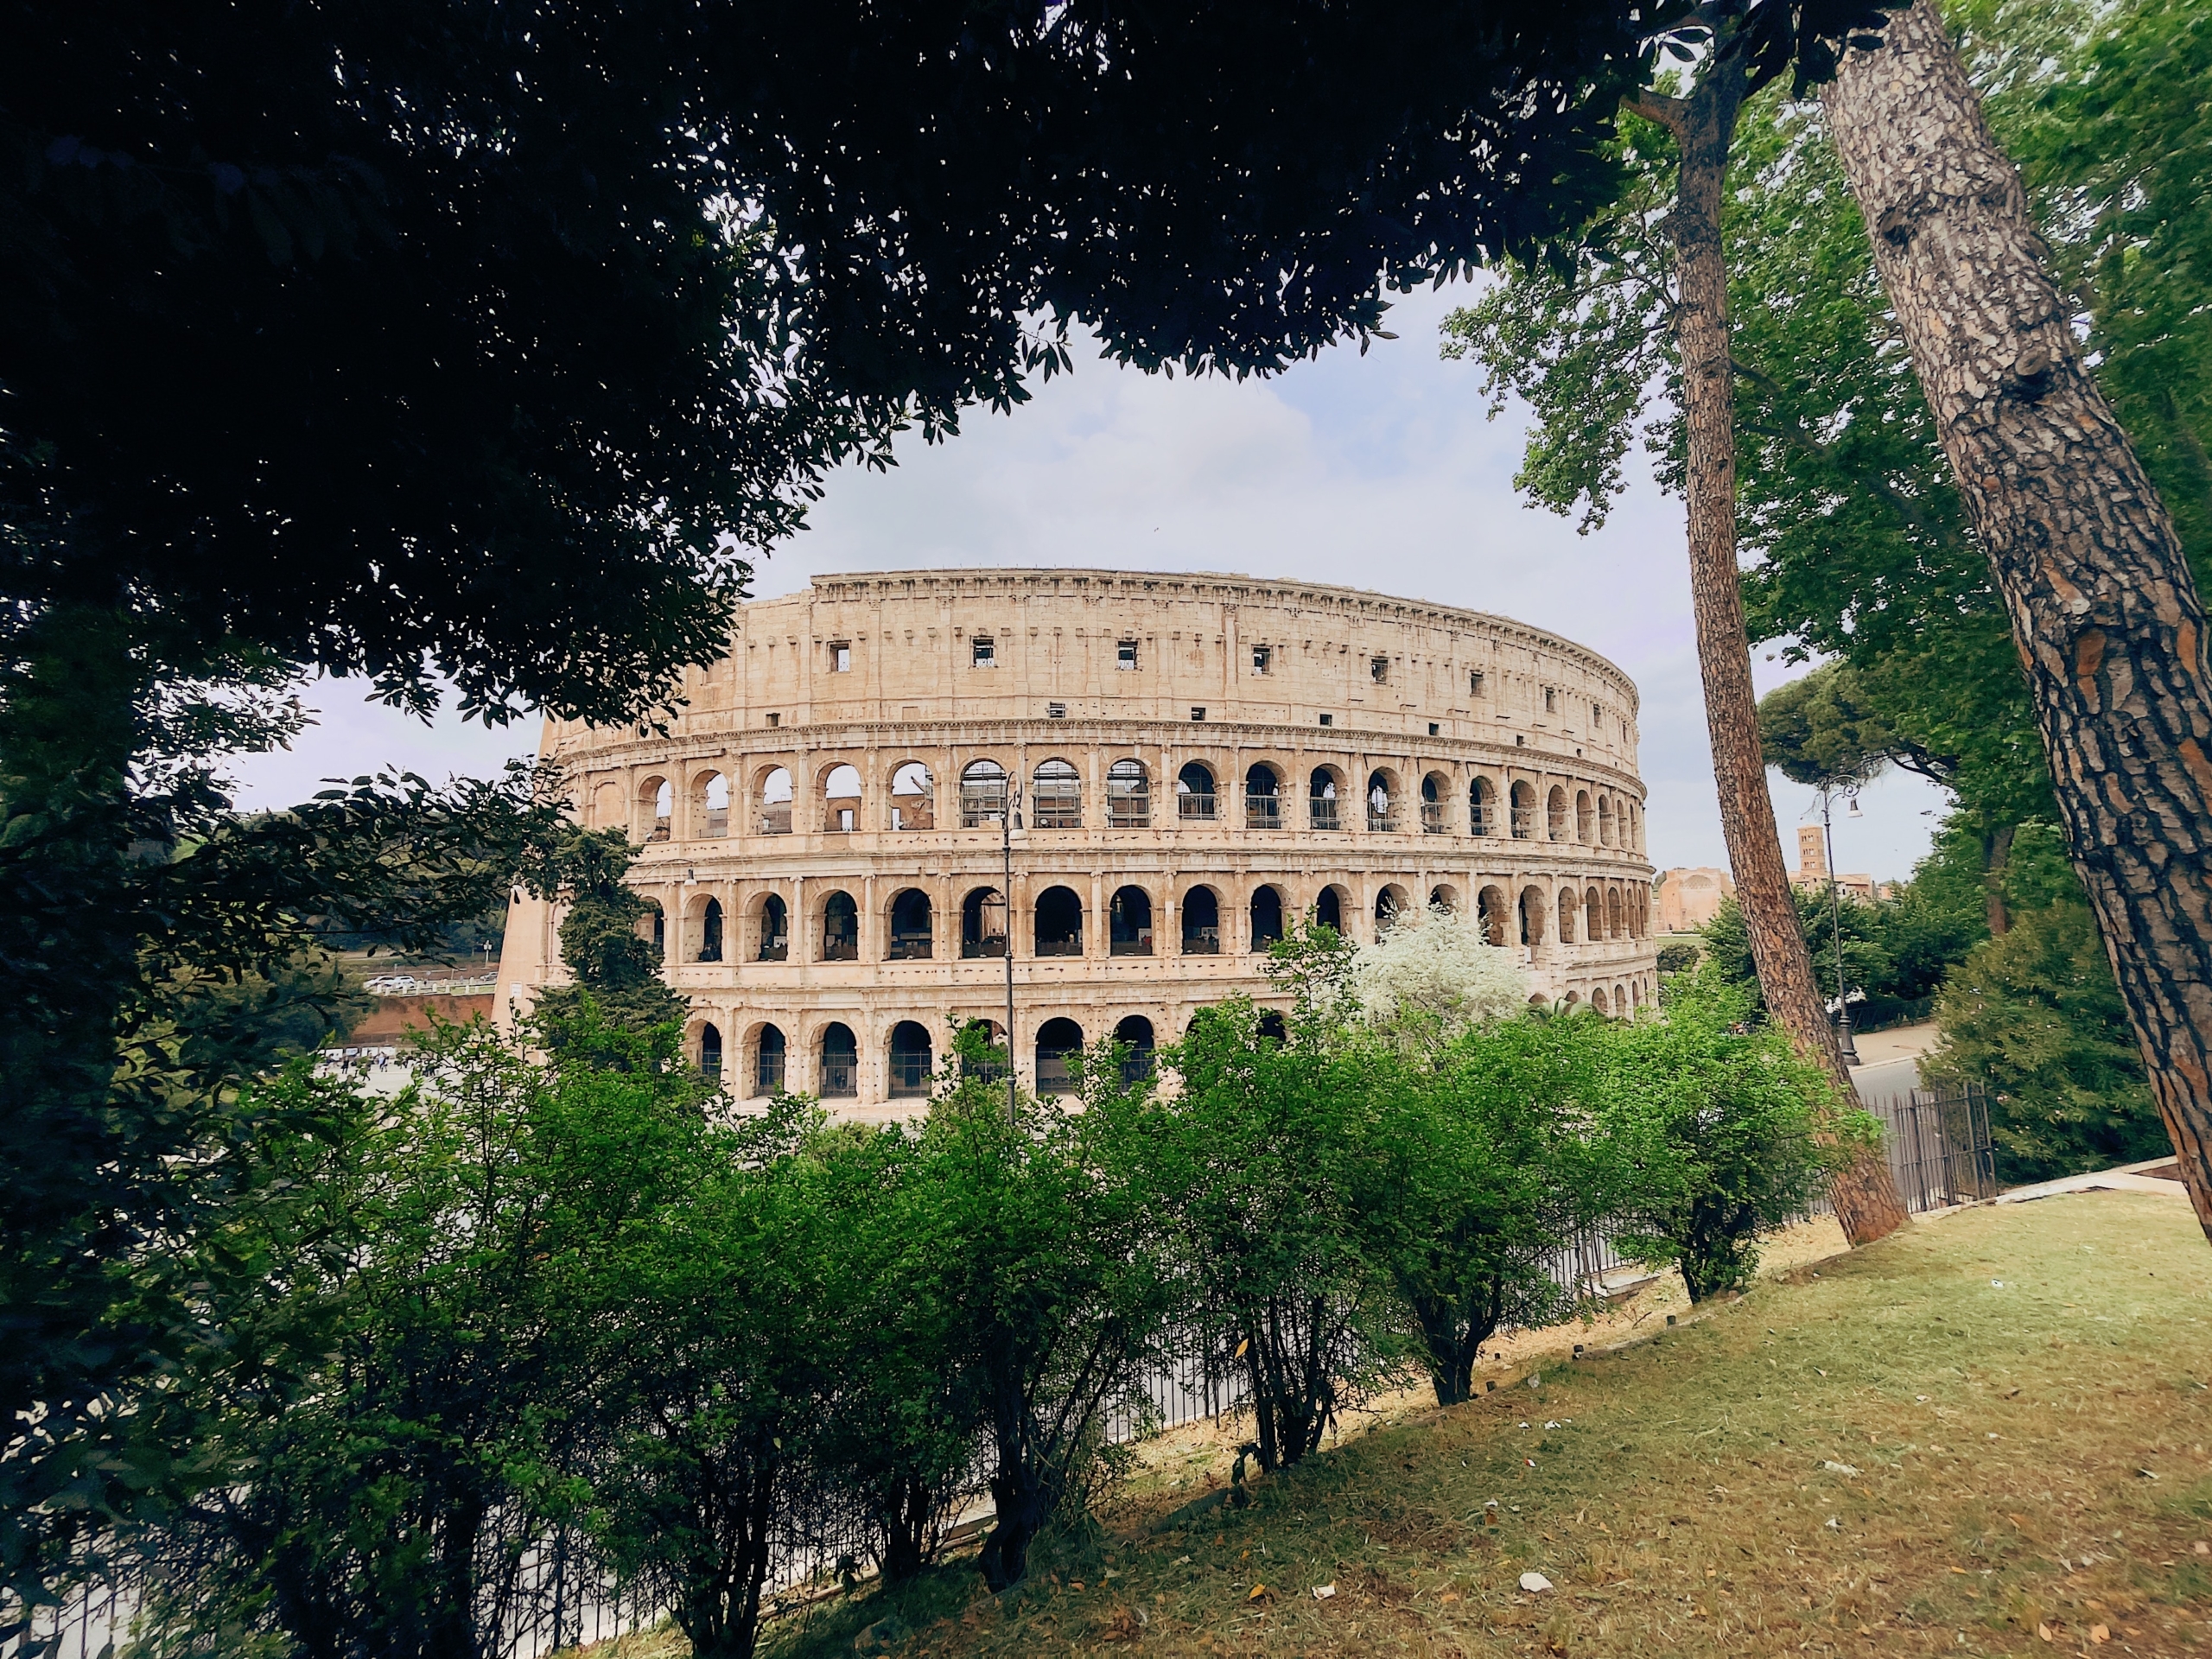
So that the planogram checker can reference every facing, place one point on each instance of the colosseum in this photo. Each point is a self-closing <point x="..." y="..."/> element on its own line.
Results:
<point x="1189" y="761"/>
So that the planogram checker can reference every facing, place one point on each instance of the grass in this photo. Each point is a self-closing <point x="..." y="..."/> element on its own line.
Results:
<point x="1987" y="1434"/>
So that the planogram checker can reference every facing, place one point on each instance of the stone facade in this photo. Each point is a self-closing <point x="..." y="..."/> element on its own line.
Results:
<point x="1689" y="899"/>
<point x="1193" y="758"/>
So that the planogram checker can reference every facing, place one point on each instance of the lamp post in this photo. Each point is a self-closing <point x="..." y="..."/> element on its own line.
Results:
<point x="1007" y="810"/>
<point x="1835" y="934"/>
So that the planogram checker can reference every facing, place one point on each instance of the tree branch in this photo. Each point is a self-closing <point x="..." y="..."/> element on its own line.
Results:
<point x="1658" y="109"/>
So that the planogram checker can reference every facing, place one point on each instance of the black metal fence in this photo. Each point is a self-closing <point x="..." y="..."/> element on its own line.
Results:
<point x="1939" y="1145"/>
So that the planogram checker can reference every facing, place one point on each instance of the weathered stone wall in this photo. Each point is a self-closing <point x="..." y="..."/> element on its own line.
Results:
<point x="1455" y="755"/>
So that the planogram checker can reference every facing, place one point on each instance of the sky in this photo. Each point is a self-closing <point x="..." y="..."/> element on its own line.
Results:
<point x="1378" y="471"/>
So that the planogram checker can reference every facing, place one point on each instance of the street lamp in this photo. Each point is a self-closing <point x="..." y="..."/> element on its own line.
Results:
<point x="1008" y="808"/>
<point x="1835" y="930"/>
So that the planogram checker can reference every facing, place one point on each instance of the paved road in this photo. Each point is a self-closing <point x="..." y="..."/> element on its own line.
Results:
<point x="1886" y="1080"/>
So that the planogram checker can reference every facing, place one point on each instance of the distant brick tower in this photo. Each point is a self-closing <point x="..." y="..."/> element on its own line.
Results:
<point x="1812" y="854"/>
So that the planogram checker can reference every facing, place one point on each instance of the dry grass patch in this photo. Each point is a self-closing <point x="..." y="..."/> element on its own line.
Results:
<point x="1987" y="1434"/>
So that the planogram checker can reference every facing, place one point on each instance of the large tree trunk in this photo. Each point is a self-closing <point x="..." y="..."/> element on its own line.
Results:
<point x="2104" y="611"/>
<point x="1865" y="1194"/>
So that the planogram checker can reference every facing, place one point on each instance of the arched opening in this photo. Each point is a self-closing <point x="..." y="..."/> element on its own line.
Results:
<point x="775" y="929"/>
<point x="841" y="1063"/>
<point x="992" y="1067"/>
<point x="910" y="1063"/>
<point x="1482" y="807"/>
<point x="1194" y="797"/>
<point x="1059" y="1046"/>
<point x="1434" y="792"/>
<point x="1532" y="917"/>
<point x="1586" y="821"/>
<point x="983" y="923"/>
<point x="1567" y="906"/>
<point x="1444" y="897"/>
<point x="1267" y="918"/>
<point x="768" y="1062"/>
<point x="1138" y="1056"/>
<point x="913" y="798"/>
<point x="1594" y="911"/>
<point x="657" y="803"/>
<point x="775" y="797"/>
<point x="1272" y="1027"/>
<point x="655" y="925"/>
<point x="1620" y="999"/>
<point x="983" y="794"/>
<point x="841" y="928"/>
<point x="1056" y="796"/>
<point x="841" y="800"/>
<point x="1524" y="809"/>
<point x="1128" y="923"/>
<point x="714" y="806"/>
<point x="1262" y="801"/>
<point x="1329" y="909"/>
<point x="1613" y="927"/>
<point x="1604" y="821"/>
<point x="1390" y="906"/>
<point x="911" y="930"/>
<point x="1382" y="809"/>
<point x="1324" y="790"/>
<point x="1490" y="908"/>
<point x="710" y="1051"/>
<point x="1128" y="796"/>
<point x="1201" y="923"/>
<point x="710" y="933"/>
<point x="1598" y="1000"/>
<point x="1556" y="813"/>
<point x="1060" y="922"/>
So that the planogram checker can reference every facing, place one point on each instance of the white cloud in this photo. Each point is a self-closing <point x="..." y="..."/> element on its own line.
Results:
<point x="1379" y="472"/>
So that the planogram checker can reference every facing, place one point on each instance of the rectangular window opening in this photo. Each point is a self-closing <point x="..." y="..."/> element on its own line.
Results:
<point x="1262" y="658"/>
<point x="1125" y="654"/>
<point x="985" y="652"/>
<point x="1551" y="700"/>
<point x="841" y="657"/>
<point x="1056" y="711"/>
<point x="1436" y="728"/>
<point x="1198" y="714"/>
<point x="1328" y="720"/>
<point x="1475" y="683"/>
<point x="1378" y="670"/>
<point x="775" y="720"/>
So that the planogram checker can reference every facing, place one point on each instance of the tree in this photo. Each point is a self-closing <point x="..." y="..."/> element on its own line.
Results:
<point x="610" y="962"/>
<point x="1473" y="1179"/>
<point x="1744" y="50"/>
<point x="1437" y="969"/>
<point x="1720" y="1134"/>
<point x="2035" y="1017"/>
<point x="2104" y="607"/>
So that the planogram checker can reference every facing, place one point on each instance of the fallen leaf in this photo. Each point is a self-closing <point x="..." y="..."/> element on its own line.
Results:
<point x="1449" y="1595"/>
<point x="1961" y="1570"/>
<point x="1535" y="1583"/>
<point x="1240" y="1347"/>
<point x="1323" y="1592"/>
<point x="2099" y="1634"/>
<point x="2043" y="1633"/>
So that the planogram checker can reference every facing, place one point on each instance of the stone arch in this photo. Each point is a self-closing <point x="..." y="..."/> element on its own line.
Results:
<point x="656" y="807"/>
<point x="913" y="926"/>
<point x="1620" y="998"/>
<point x="1532" y="917"/>
<point x="1586" y="820"/>
<point x="1556" y="813"/>
<point x="1128" y="923"/>
<point x="1444" y="897"/>
<point x="1568" y="904"/>
<point x="1194" y="792"/>
<point x="770" y="1053"/>
<point x="710" y="1050"/>
<point x="1524" y="809"/>
<point x="653" y="926"/>
<point x="1058" y="916"/>
<point x="1267" y="916"/>
<point x="913" y="797"/>
<point x="772" y="923"/>
<point x="984" y="930"/>
<point x="912" y="1061"/>
<point x="994" y="1034"/>
<point x="841" y="927"/>
<point x="708" y="921"/>
<point x="1129" y="795"/>
<point x="1391" y="902"/>
<point x="1482" y="807"/>
<point x="1325" y="795"/>
<point x="1490" y="910"/>
<point x="1329" y="907"/>
<point x="1262" y="797"/>
<point x="1597" y="1000"/>
<point x="710" y="805"/>
<point x="1613" y="920"/>
<point x="1139" y="1047"/>
<point x="841" y="798"/>
<point x="1201" y="912"/>
<point x="982" y="793"/>
<point x="838" y="1062"/>
<point x="1271" y="1026"/>
<point x="1605" y="820"/>
<point x="771" y="792"/>
<point x="1056" y="796"/>
<point x="1435" y="804"/>
<point x="1381" y="799"/>
<point x="1059" y="1045"/>
<point x="607" y="811"/>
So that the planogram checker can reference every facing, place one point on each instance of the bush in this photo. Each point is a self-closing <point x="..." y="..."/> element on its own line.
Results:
<point x="1677" y="958"/>
<point x="1714" y="1128"/>
<point x="2036" y="1015"/>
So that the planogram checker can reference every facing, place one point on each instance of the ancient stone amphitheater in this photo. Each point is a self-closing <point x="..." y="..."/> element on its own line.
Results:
<point x="1191" y="760"/>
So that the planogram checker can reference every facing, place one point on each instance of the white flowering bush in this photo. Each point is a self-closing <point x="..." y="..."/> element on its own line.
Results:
<point x="1436" y="965"/>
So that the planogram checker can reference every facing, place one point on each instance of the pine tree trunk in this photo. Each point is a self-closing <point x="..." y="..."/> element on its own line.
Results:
<point x="1864" y="1193"/>
<point x="2104" y="611"/>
